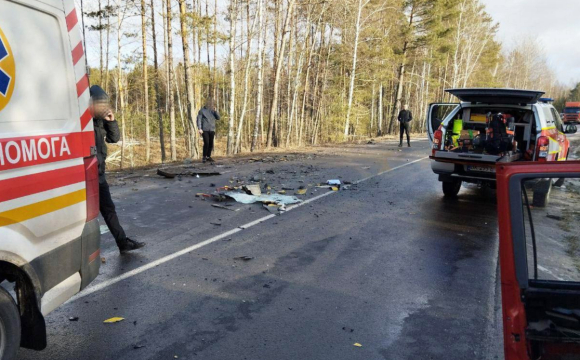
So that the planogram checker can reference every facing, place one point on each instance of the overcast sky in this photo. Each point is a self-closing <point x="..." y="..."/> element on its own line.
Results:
<point x="555" y="23"/>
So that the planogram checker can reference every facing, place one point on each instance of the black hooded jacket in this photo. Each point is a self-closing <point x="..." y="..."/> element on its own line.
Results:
<point x="105" y="132"/>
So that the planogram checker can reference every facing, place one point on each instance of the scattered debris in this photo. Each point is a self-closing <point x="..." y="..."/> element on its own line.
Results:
<point x="273" y="208"/>
<point x="266" y="199"/>
<point x="555" y="217"/>
<point x="243" y="258"/>
<point x="357" y="345"/>
<point x="334" y="188"/>
<point x="103" y="260"/>
<point x="216" y="223"/>
<point x="267" y="286"/>
<point x="271" y="171"/>
<point x="301" y="191"/>
<point x="73" y="318"/>
<point x="282" y="192"/>
<point x="171" y="175"/>
<point x="252" y="190"/>
<point x="224" y="207"/>
<point x="115" y="319"/>
<point x="135" y="347"/>
<point x="333" y="182"/>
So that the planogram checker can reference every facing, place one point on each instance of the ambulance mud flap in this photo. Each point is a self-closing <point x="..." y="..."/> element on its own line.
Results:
<point x="91" y="259"/>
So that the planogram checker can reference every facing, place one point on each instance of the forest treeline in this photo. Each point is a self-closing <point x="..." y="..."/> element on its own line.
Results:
<point x="289" y="73"/>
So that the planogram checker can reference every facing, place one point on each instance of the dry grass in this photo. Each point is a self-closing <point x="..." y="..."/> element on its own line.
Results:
<point x="135" y="154"/>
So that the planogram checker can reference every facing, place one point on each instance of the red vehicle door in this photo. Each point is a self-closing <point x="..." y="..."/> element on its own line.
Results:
<point x="540" y="261"/>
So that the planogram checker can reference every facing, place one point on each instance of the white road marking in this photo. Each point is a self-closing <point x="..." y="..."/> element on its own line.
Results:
<point x="547" y="271"/>
<point x="105" y="284"/>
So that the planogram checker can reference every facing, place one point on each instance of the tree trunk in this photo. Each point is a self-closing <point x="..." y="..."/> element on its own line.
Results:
<point x="171" y="100"/>
<point x="260" y="90"/>
<point x="192" y="125"/>
<point x="353" y="68"/>
<point x="381" y="109"/>
<point x="108" y="42"/>
<point x="145" y="83"/>
<point x="120" y="88"/>
<point x="233" y="18"/>
<point x="100" y="44"/>
<point x="157" y="95"/>
<point x="237" y="147"/>
<point x="278" y="71"/>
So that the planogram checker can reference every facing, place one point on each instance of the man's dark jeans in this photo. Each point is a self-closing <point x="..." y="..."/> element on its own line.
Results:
<point x="207" y="143"/>
<point x="107" y="208"/>
<point x="404" y="127"/>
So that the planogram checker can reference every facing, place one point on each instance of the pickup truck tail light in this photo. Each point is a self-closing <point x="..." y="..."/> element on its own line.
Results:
<point x="437" y="138"/>
<point x="542" y="146"/>
<point x="92" y="186"/>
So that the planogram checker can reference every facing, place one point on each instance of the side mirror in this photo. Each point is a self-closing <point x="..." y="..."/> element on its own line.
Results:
<point x="570" y="129"/>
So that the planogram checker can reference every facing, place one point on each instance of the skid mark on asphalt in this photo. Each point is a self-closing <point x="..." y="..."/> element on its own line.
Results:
<point x="105" y="284"/>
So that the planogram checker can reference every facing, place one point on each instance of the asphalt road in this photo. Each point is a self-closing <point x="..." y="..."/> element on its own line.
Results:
<point x="388" y="264"/>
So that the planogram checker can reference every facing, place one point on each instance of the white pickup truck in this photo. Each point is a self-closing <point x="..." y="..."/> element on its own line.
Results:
<point x="463" y="141"/>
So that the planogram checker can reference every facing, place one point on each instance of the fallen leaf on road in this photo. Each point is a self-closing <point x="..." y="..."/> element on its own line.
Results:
<point x="357" y="345"/>
<point x="334" y="188"/>
<point x="103" y="260"/>
<point x="113" y="320"/>
<point x="301" y="191"/>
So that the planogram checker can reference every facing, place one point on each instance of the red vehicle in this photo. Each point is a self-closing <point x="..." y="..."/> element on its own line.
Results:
<point x="572" y="113"/>
<point x="541" y="317"/>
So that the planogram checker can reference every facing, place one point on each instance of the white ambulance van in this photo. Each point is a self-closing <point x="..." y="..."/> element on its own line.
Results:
<point x="49" y="197"/>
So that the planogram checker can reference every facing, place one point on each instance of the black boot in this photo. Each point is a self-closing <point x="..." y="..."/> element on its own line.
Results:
<point x="408" y="144"/>
<point x="130" y="245"/>
<point x="400" y="144"/>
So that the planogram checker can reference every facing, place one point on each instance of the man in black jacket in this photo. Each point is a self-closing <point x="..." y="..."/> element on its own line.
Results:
<point x="404" y="118"/>
<point x="206" y="119"/>
<point x="106" y="129"/>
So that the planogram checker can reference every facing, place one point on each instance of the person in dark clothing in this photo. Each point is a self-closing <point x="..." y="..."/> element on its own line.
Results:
<point x="107" y="130"/>
<point x="404" y="118"/>
<point x="206" y="119"/>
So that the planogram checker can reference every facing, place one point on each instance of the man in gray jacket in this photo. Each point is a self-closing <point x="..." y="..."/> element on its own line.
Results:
<point x="206" y="119"/>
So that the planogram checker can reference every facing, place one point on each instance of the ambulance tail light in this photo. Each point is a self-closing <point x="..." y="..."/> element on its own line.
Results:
<point x="542" y="146"/>
<point x="437" y="138"/>
<point x="92" y="187"/>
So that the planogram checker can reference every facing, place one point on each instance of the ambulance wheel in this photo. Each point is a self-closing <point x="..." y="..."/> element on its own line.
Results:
<point x="542" y="190"/>
<point x="9" y="326"/>
<point x="451" y="188"/>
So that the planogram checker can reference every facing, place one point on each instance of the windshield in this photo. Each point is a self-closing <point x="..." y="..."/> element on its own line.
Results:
<point x="572" y="110"/>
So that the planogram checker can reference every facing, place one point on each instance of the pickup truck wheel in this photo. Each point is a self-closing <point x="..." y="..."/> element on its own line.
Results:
<point x="9" y="326"/>
<point x="542" y="191"/>
<point x="451" y="188"/>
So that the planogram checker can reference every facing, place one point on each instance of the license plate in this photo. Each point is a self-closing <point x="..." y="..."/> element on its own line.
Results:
<point x="486" y="169"/>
